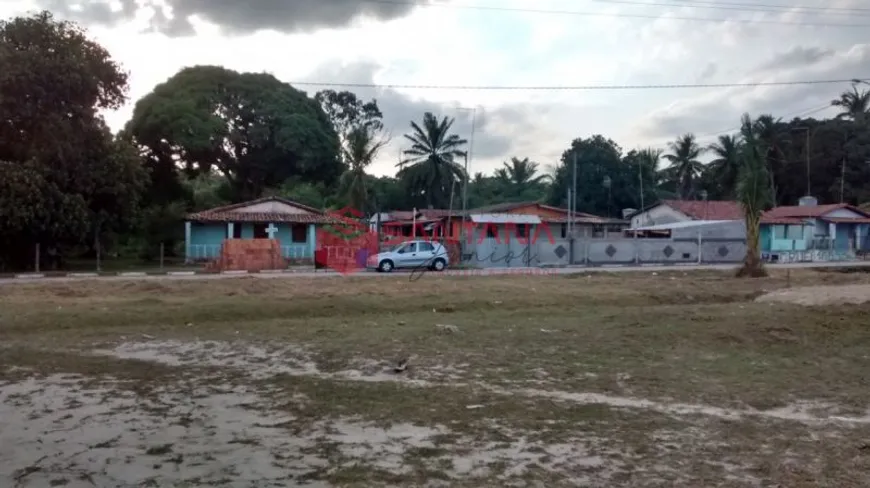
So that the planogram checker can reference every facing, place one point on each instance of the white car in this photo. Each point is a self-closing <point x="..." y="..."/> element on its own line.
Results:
<point x="411" y="254"/>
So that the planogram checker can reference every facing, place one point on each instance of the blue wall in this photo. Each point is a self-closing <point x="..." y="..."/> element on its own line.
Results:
<point x="204" y="240"/>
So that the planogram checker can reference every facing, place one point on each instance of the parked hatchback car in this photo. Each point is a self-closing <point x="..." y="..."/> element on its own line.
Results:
<point x="411" y="254"/>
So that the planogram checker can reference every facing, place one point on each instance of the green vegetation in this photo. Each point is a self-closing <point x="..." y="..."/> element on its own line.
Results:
<point x="210" y="136"/>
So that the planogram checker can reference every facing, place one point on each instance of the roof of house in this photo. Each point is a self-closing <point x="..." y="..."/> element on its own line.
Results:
<point x="426" y="213"/>
<point x="811" y="211"/>
<point x="236" y="213"/>
<point x="504" y="218"/>
<point x="705" y="209"/>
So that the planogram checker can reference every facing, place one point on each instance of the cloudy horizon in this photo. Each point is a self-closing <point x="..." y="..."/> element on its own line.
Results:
<point x="385" y="42"/>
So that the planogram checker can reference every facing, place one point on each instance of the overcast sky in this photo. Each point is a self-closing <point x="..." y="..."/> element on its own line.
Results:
<point x="399" y="42"/>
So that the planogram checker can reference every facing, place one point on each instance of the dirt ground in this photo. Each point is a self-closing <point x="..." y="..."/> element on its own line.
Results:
<point x="643" y="379"/>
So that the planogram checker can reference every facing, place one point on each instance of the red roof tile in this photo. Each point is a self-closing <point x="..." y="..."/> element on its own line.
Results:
<point x="229" y="213"/>
<point x="707" y="210"/>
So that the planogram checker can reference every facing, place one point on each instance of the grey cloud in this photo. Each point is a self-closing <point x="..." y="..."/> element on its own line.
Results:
<point x="797" y="57"/>
<point x="705" y="114"/>
<point x="708" y="72"/>
<point x="234" y="16"/>
<point x="499" y="133"/>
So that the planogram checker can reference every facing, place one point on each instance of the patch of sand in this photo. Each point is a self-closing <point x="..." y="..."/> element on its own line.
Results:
<point x="819" y="295"/>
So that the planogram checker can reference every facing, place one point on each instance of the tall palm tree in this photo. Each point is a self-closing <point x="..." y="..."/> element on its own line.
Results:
<point x="362" y="146"/>
<point x="725" y="168"/>
<point x="519" y="176"/>
<point x="772" y="138"/>
<point x="685" y="167"/>
<point x="755" y="196"/>
<point x="854" y="104"/>
<point x="430" y="167"/>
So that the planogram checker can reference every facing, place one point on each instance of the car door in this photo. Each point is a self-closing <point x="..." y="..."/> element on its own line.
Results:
<point x="406" y="256"/>
<point x="425" y="253"/>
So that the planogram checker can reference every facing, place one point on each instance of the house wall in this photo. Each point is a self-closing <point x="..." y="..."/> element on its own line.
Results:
<point x="661" y="214"/>
<point x="205" y="240"/>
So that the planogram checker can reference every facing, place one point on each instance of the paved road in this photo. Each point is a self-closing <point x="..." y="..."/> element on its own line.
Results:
<point x="410" y="275"/>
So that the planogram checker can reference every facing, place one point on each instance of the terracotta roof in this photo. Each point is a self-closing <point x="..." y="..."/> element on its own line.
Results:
<point x="707" y="210"/>
<point x="228" y="213"/>
<point x="811" y="211"/>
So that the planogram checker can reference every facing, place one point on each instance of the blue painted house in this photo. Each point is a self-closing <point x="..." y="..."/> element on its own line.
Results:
<point x="292" y="224"/>
<point x="826" y="230"/>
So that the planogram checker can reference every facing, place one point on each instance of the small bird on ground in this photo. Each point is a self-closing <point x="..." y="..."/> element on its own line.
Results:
<point x="401" y="365"/>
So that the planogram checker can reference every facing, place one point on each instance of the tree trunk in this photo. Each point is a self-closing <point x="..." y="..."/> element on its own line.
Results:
<point x="752" y="267"/>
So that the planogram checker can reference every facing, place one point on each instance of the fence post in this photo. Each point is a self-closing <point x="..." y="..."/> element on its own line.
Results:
<point x="700" y="247"/>
<point x="636" y="250"/>
<point x="36" y="261"/>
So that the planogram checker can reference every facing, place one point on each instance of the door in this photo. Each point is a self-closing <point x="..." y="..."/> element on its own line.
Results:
<point x="260" y="231"/>
<point x="407" y="255"/>
<point x="425" y="253"/>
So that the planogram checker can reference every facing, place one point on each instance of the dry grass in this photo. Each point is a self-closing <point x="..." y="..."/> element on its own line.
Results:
<point x="525" y="348"/>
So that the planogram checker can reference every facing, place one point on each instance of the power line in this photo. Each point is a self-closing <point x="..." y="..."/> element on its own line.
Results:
<point x="608" y="14"/>
<point x="779" y="5"/>
<point x="800" y="113"/>
<point x="576" y="87"/>
<point x="743" y="7"/>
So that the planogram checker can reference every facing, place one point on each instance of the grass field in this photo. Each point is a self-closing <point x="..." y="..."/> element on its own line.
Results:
<point x="641" y="379"/>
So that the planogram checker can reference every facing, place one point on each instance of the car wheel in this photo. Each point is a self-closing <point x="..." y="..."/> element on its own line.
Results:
<point x="386" y="266"/>
<point x="439" y="265"/>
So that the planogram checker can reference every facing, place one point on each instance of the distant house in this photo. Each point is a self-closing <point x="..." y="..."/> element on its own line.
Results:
<point x="807" y="227"/>
<point x="557" y="219"/>
<point x="671" y="211"/>
<point x="291" y="223"/>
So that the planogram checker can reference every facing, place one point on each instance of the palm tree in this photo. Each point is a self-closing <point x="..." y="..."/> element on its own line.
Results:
<point x="362" y="147"/>
<point x="517" y="178"/>
<point x="725" y="169"/>
<point x="855" y="104"/>
<point x="430" y="167"/>
<point x="685" y="167"/>
<point x="772" y="137"/>
<point x="754" y="194"/>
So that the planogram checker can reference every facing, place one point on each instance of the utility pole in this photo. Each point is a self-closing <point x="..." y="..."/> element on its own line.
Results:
<point x="573" y="189"/>
<point x="468" y="155"/>
<point x="809" y="190"/>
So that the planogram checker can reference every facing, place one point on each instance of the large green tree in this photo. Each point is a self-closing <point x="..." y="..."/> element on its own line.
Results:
<point x="65" y="180"/>
<point x="518" y="180"/>
<point x="720" y="174"/>
<point x="430" y="168"/>
<point x="606" y="183"/>
<point x="362" y="147"/>
<point x="254" y="129"/>
<point x="685" y="167"/>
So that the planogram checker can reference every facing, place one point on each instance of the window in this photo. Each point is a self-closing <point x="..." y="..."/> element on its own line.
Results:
<point x="410" y="247"/>
<point x="564" y="231"/>
<point x="779" y="231"/>
<point x="237" y="230"/>
<point x="522" y="230"/>
<point x="795" y="232"/>
<point x="300" y="233"/>
<point x="491" y="231"/>
<point x="426" y="247"/>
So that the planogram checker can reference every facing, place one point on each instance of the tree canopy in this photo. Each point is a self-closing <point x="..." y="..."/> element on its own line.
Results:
<point x="210" y="136"/>
<point x="64" y="178"/>
<point x="252" y="128"/>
